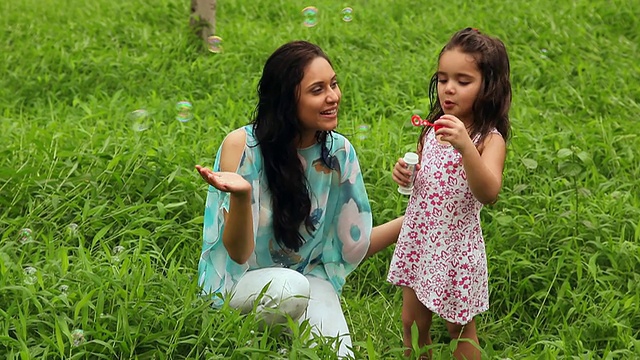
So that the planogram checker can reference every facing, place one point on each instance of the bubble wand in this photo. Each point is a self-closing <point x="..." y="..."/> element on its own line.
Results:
<point x="416" y="120"/>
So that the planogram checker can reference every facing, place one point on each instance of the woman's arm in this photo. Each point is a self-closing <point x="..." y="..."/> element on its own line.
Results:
<point x="237" y="235"/>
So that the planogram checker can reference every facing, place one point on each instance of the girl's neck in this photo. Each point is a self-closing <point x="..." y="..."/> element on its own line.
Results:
<point x="468" y="123"/>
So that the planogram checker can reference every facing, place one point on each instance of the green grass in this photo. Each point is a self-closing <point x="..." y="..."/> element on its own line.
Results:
<point x="563" y="242"/>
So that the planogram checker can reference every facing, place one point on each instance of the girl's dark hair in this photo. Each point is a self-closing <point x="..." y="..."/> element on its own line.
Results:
<point x="277" y="130"/>
<point x="491" y="107"/>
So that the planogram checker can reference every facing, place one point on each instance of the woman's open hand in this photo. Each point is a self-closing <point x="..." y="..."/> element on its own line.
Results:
<point x="225" y="181"/>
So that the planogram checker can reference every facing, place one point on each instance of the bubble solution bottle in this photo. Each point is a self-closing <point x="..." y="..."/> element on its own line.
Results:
<point x="412" y="160"/>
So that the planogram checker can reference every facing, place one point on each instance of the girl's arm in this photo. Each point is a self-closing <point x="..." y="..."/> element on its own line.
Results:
<point x="483" y="167"/>
<point x="484" y="171"/>
<point x="384" y="235"/>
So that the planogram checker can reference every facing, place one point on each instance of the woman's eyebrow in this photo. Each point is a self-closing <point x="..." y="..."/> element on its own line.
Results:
<point x="320" y="82"/>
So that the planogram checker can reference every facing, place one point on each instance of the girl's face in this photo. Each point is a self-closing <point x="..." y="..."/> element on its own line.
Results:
<point x="319" y="100"/>
<point x="459" y="81"/>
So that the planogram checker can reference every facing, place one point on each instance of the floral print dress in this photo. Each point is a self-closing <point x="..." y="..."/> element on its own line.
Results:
<point x="340" y="212"/>
<point x="440" y="252"/>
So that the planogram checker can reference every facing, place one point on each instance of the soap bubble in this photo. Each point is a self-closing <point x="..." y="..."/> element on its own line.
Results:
<point x="310" y="14"/>
<point x="139" y="120"/>
<point x="363" y="131"/>
<point x="184" y="111"/>
<point x="25" y="235"/>
<point x="347" y="14"/>
<point x="214" y="44"/>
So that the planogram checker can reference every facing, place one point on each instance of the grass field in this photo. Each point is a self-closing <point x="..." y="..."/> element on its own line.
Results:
<point x="116" y="214"/>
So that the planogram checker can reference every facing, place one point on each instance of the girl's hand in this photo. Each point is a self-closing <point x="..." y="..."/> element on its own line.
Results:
<point x="454" y="132"/>
<point x="402" y="175"/>
<point x="225" y="181"/>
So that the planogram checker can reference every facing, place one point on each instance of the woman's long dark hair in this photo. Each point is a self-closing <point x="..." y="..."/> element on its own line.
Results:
<point x="277" y="130"/>
<point x="491" y="107"/>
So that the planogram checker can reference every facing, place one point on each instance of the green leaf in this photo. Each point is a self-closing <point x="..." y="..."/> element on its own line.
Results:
<point x="570" y="169"/>
<point x="563" y="153"/>
<point x="100" y="234"/>
<point x="86" y="299"/>
<point x="585" y="157"/>
<point x="530" y="164"/>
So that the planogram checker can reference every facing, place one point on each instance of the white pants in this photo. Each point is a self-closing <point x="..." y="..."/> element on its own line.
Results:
<point x="301" y="297"/>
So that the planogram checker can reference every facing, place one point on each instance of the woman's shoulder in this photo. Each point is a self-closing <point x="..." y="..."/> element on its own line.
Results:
<point x="232" y="149"/>
<point x="241" y="136"/>
<point x="236" y="138"/>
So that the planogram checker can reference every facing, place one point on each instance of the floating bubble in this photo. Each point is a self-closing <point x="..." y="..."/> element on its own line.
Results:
<point x="363" y="131"/>
<point x="184" y="111"/>
<point x="139" y="119"/>
<point x="310" y="14"/>
<point x="25" y="235"/>
<point x="30" y="277"/>
<point x="347" y="14"/>
<point x="78" y="337"/>
<point x="214" y="44"/>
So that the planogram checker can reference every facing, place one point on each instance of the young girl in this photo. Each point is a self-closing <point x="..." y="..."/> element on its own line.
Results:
<point x="440" y="259"/>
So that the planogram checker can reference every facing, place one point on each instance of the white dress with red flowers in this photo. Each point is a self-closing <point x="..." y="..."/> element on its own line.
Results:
<point x="440" y="252"/>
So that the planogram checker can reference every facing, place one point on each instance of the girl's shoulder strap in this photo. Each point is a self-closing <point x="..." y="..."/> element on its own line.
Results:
<point x="478" y="136"/>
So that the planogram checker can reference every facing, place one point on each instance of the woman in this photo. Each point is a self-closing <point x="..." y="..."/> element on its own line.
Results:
<point x="287" y="211"/>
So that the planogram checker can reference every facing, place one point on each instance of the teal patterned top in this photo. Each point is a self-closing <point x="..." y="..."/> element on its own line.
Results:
<point x="340" y="212"/>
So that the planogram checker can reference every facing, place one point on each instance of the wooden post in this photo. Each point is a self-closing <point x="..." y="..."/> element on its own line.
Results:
<point x="203" y="17"/>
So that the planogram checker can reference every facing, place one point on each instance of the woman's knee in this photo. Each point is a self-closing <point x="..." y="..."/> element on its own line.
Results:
<point x="289" y="293"/>
<point x="278" y="291"/>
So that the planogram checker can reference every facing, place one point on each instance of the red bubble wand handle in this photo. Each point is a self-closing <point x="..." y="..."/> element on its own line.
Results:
<point x="416" y="120"/>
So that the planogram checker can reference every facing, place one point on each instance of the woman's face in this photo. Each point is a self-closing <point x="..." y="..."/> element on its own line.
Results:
<point x="319" y="99"/>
